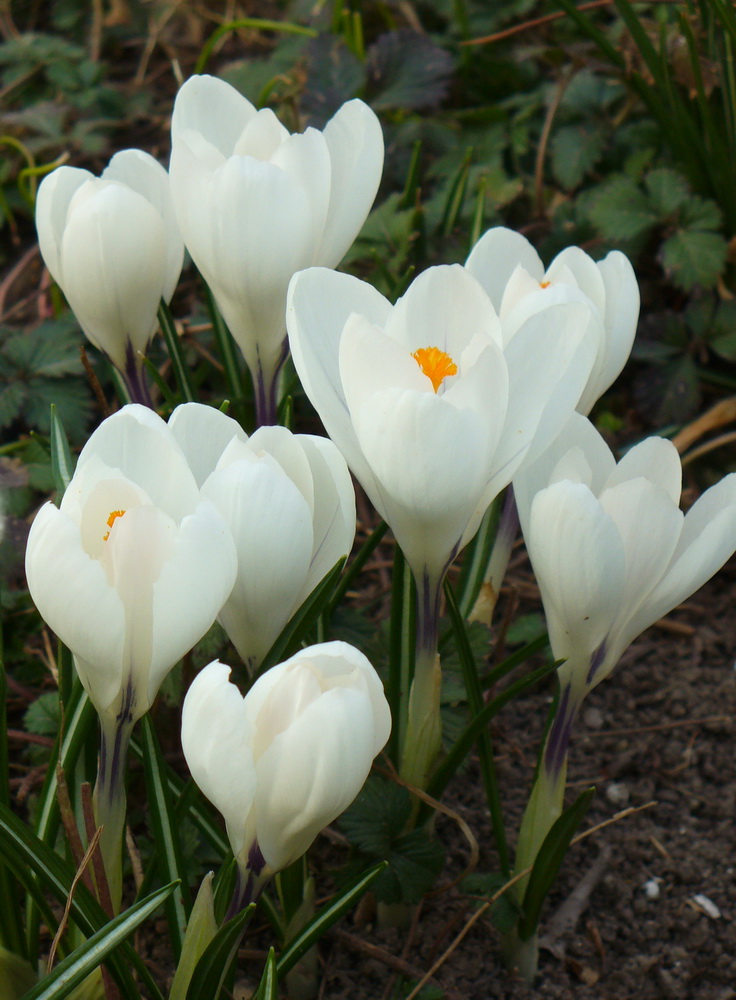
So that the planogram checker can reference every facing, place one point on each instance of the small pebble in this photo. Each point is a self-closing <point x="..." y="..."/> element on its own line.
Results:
<point x="651" y="888"/>
<point x="707" y="906"/>
<point x="618" y="793"/>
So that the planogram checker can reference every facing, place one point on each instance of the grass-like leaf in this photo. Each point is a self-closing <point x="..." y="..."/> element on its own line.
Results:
<point x="62" y="463"/>
<point x="166" y="836"/>
<point x="70" y="972"/>
<point x="214" y="965"/>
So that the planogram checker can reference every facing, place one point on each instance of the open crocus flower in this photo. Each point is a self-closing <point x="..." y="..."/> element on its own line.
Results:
<point x="113" y="246"/>
<point x="256" y="204"/>
<point x="290" y="506"/>
<point x="510" y="270"/>
<point x="430" y="403"/>
<point x="613" y="553"/>
<point x="286" y="760"/>
<point x="130" y="571"/>
<point x="435" y="406"/>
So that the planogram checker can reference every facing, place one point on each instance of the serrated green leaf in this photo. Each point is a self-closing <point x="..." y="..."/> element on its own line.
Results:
<point x="43" y="715"/>
<point x="548" y="861"/>
<point x="72" y="400"/>
<point x="691" y="258"/>
<point x="504" y="912"/>
<point x="334" y="75"/>
<point x="414" y="863"/>
<point x="667" y="190"/>
<point x="701" y="213"/>
<point x="575" y="151"/>
<point x="70" y="972"/>
<point x="621" y="211"/>
<point x="13" y="396"/>
<point x="407" y="70"/>
<point x="377" y="817"/>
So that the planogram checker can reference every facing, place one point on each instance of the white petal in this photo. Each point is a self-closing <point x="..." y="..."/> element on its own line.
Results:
<point x="319" y="304"/>
<point x="271" y="524"/>
<point x="444" y="307"/>
<point x="579" y="561"/>
<point x="142" y="173"/>
<point x="355" y="143"/>
<point x="655" y="459"/>
<point x="52" y="204"/>
<point x="138" y="443"/>
<point x="113" y="266"/>
<point x="496" y="255"/>
<point x="203" y="433"/>
<point x="583" y="270"/>
<point x="621" y="316"/>
<point x="214" y="108"/>
<point x="194" y="583"/>
<point x="72" y="594"/>
<point x="262" y="136"/>
<point x="219" y="756"/>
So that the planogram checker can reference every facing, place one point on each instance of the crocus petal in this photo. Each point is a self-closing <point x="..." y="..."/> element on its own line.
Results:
<point x="271" y="525"/>
<point x="137" y="441"/>
<point x="708" y="539"/>
<point x="52" y="205"/>
<point x="319" y="304"/>
<point x="194" y="583"/>
<point x="579" y="562"/>
<point x="74" y="597"/>
<point x="213" y="108"/>
<point x="496" y="255"/>
<point x="355" y="143"/>
<point x="219" y="756"/>
<point x="113" y="266"/>
<point x="203" y="433"/>
<point x="655" y="459"/>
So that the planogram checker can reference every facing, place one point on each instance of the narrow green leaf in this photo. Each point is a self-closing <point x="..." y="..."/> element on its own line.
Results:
<point x="476" y="558"/>
<point x="356" y="565"/>
<point x="176" y="354"/>
<point x="39" y="869"/>
<point x="303" y="620"/>
<point x="462" y="746"/>
<point x="59" y="983"/>
<point x="62" y="463"/>
<point x="326" y="917"/>
<point x="201" y="929"/>
<point x="259" y="23"/>
<point x="548" y="861"/>
<point x="166" y="836"/>
<point x="268" y="988"/>
<point x="11" y="924"/>
<point x="456" y="196"/>
<point x="214" y="965"/>
<point x="228" y="352"/>
<point x="485" y="748"/>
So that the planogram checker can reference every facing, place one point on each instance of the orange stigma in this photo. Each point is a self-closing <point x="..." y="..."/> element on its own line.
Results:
<point x="435" y="364"/>
<point x="114" y="515"/>
<point x="544" y="284"/>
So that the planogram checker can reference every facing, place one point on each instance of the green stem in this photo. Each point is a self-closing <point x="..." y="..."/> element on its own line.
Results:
<point x="109" y="799"/>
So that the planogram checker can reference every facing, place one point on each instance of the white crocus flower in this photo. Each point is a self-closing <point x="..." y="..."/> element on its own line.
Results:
<point x="130" y="572"/>
<point x="511" y="271"/>
<point x="256" y="204"/>
<point x="113" y="246"/>
<point x="435" y="405"/>
<point x="612" y="553"/>
<point x="290" y="506"/>
<point x="286" y="760"/>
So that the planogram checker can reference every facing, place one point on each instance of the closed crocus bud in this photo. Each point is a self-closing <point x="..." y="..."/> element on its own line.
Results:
<point x="289" y="503"/>
<point x="256" y="204"/>
<point x="612" y="553"/>
<point x="286" y="760"/>
<point x="610" y="546"/>
<point x="133" y="567"/>
<point x="113" y="246"/>
<point x="511" y="271"/>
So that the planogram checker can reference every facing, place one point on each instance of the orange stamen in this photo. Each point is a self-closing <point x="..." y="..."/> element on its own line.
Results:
<point x="435" y="364"/>
<point x="544" y="284"/>
<point x="114" y="515"/>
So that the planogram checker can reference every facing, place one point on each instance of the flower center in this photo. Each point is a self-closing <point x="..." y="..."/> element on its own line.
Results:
<point x="114" y="515"/>
<point x="544" y="284"/>
<point x="435" y="364"/>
